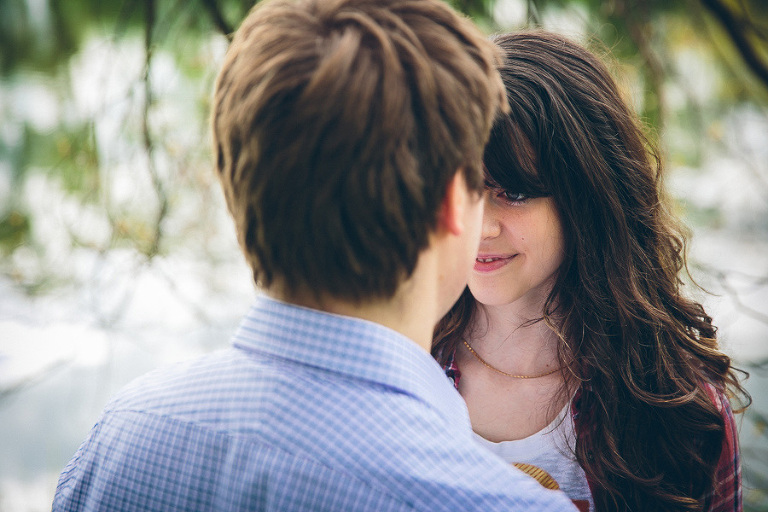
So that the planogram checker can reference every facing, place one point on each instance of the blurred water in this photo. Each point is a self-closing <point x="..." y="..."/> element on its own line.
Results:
<point x="60" y="360"/>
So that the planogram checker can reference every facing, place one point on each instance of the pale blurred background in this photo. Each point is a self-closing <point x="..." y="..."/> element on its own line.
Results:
<point x="118" y="255"/>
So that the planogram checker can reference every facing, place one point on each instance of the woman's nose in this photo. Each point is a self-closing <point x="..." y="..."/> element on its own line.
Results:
<point x="491" y="225"/>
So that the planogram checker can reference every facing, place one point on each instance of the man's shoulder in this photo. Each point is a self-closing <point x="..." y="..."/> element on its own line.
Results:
<point x="284" y="402"/>
<point x="233" y="424"/>
<point x="140" y="458"/>
<point x="173" y="383"/>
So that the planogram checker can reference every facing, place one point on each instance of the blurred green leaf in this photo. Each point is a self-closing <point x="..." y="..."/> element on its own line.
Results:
<point x="14" y="231"/>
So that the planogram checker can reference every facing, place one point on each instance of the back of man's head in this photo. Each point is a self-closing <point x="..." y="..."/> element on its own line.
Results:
<point x="337" y="127"/>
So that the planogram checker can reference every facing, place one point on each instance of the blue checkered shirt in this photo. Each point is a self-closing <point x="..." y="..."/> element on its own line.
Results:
<point x="306" y="411"/>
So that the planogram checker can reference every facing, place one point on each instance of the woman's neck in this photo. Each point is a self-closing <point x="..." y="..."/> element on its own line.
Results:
<point x="513" y="339"/>
<point x="501" y="407"/>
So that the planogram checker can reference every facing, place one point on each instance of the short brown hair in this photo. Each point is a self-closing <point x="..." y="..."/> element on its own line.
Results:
<point x="337" y="126"/>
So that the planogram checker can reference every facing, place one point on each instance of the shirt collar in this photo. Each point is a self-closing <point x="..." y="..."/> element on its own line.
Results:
<point x="349" y="346"/>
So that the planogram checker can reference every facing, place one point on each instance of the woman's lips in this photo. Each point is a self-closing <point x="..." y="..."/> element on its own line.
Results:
<point x="491" y="263"/>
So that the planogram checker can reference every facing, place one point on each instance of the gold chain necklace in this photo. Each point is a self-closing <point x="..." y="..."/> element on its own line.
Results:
<point x="502" y="372"/>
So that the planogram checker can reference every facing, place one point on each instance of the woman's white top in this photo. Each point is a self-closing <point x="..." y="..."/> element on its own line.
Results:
<point x="550" y="449"/>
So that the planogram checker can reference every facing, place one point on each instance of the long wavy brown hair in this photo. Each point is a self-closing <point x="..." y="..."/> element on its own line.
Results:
<point x="637" y="347"/>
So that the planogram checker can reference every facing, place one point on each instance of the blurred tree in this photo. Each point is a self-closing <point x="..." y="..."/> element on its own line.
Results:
<point x="40" y="41"/>
<point x="45" y="47"/>
<point x="103" y="145"/>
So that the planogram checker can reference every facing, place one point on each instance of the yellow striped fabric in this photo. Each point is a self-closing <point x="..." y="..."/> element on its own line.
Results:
<point x="541" y="476"/>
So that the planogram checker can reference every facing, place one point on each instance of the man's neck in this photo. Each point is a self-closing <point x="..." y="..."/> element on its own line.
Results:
<point x="404" y="313"/>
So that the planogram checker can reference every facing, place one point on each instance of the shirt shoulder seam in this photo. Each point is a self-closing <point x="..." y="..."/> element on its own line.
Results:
<point x="225" y="433"/>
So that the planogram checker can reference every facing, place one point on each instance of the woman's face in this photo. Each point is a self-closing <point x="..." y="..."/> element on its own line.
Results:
<point x="521" y="249"/>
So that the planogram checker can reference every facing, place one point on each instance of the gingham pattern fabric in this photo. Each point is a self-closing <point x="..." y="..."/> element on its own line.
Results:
<point x="306" y="411"/>
<point x="726" y="496"/>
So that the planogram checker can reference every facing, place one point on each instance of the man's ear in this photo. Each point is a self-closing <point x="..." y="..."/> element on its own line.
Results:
<point x="455" y="203"/>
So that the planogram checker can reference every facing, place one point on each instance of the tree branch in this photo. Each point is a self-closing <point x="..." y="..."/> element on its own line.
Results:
<point x="637" y="16"/>
<point x="655" y="70"/>
<point x="533" y="14"/>
<point x="733" y="293"/>
<point x="735" y="29"/>
<point x="218" y="18"/>
<point x="30" y="380"/>
<point x="157" y="183"/>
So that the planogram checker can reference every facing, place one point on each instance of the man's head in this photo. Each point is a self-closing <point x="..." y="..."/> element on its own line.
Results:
<point x="338" y="126"/>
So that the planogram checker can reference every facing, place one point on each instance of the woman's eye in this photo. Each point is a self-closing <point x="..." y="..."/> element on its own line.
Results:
<point x="512" y="197"/>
